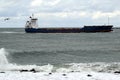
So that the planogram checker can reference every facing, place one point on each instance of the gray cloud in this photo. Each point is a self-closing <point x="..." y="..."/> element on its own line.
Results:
<point x="15" y="7"/>
<point x="57" y="11"/>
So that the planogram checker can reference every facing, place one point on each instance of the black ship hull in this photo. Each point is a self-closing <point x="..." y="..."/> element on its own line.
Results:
<point x="86" y="29"/>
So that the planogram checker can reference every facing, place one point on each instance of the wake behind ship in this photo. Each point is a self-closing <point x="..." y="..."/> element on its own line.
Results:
<point x="32" y="27"/>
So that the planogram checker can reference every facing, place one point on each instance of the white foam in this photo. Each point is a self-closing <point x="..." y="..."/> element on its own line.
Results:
<point x="58" y="76"/>
<point x="96" y="67"/>
<point x="45" y="68"/>
<point x="81" y="67"/>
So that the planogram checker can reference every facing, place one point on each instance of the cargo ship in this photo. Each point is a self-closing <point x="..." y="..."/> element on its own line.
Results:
<point x="32" y="27"/>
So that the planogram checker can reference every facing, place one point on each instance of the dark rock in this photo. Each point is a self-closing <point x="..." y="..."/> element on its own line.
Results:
<point x="72" y="71"/>
<point x="89" y="75"/>
<point x="33" y="70"/>
<point x="117" y="72"/>
<point x="2" y="72"/>
<point x="23" y="70"/>
<point x="64" y="74"/>
<point x="50" y="73"/>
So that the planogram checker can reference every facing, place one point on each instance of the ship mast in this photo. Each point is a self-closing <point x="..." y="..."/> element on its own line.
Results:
<point x="108" y="20"/>
<point x="32" y="15"/>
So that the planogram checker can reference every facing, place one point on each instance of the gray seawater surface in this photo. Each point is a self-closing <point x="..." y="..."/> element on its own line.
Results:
<point x="60" y="48"/>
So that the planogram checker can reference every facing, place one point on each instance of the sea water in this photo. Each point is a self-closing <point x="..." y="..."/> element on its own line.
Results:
<point x="73" y="54"/>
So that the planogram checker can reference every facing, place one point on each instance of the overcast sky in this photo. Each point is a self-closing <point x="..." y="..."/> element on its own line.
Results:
<point x="57" y="13"/>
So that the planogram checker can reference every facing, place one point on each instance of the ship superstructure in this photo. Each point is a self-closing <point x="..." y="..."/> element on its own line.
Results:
<point x="32" y="23"/>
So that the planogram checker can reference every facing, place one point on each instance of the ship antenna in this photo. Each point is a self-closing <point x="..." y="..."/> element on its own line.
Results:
<point x="108" y="20"/>
<point x="32" y="15"/>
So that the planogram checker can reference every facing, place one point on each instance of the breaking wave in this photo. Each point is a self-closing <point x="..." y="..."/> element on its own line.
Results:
<point x="70" y="67"/>
<point x="3" y="59"/>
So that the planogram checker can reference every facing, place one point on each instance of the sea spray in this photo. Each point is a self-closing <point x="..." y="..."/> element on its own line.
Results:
<point x="3" y="58"/>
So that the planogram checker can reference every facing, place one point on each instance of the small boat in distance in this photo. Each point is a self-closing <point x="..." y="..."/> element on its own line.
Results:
<point x="32" y="27"/>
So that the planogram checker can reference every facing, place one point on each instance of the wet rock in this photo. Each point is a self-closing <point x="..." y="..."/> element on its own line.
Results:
<point x="2" y="72"/>
<point x="72" y="71"/>
<point x="23" y="70"/>
<point x="117" y="72"/>
<point x="33" y="70"/>
<point x="64" y="74"/>
<point x="89" y="75"/>
<point x="50" y="73"/>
